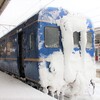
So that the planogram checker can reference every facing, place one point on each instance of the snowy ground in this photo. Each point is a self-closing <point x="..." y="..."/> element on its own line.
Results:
<point x="98" y="65"/>
<point x="96" y="95"/>
<point x="13" y="89"/>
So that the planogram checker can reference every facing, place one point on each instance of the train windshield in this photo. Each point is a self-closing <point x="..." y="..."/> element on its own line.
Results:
<point x="77" y="39"/>
<point x="76" y="36"/>
<point x="51" y="37"/>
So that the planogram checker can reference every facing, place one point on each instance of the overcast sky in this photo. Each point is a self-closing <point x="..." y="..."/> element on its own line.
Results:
<point x="19" y="10"/>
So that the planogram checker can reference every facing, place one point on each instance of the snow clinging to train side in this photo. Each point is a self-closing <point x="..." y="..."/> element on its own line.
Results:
<point x="54" y="76"/>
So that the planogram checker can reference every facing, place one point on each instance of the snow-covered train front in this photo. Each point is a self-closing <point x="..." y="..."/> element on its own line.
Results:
<point x="52" y="48"/>
<point x="67" y="46"/>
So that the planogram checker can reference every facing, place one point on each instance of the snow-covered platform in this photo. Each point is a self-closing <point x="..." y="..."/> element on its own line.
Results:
<point x="89" y="95"/>
<point x="13" y="89"/>
<point x="97" y="69"/>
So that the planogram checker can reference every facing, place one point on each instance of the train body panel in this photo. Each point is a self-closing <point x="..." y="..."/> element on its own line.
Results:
<point x="31" y="52"/>
<point x="9" y="54"/>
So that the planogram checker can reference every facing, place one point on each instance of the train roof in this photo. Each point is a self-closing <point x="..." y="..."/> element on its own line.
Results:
<point x="89" y="24"/>
<point x="49" y="14"/>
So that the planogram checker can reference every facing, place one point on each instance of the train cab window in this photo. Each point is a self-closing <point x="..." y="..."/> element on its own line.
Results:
<point x="76" y="37"/>
<point x="89" y="40"/>
<point x="31" y="41"/>
<point x="51" y="37"/>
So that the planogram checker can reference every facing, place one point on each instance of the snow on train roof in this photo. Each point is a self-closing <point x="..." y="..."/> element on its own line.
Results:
<point x="51" y="14"/>
<point x="89" y="23"/>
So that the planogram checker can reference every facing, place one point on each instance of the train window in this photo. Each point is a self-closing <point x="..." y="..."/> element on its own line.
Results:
<point x="97" y="41"/>
<point x="51" y="37"/>
<point x="76" y="36"/>
<point x="9" y="46"/>
<point x="2" y="49"/>
<point x="89" y="40"/>
<point x="31" y="40"/>
<point x="96" y="51"/>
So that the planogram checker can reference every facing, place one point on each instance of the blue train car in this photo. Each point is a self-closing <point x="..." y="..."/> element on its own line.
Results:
<point x="24" y="48"/>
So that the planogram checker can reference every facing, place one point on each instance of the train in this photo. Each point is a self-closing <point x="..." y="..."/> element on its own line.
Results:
<point x="34" y="50"/>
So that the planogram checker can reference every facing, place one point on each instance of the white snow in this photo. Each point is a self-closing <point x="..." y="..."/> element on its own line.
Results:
<point x="51" y="19"/>
<point x="14" y="89"/>
<point x="50" y="16"/>
<point x="54" y="76"/>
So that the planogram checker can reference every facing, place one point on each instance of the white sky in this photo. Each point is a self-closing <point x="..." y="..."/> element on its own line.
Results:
<point x="19" y="10"/>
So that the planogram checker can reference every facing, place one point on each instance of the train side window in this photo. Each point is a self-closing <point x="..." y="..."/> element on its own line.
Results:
<point x="1" y="50"/>
<point x="31" y="41"/>
<point x="9" y="46"/>
<point x="51" y="37"/>
<point x="89" y="40"/>
<point x="76" y="36"/>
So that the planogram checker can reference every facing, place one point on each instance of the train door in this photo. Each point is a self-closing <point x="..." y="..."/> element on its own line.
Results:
<point x="20" y="54"/>
<point x="30" y="56"/>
